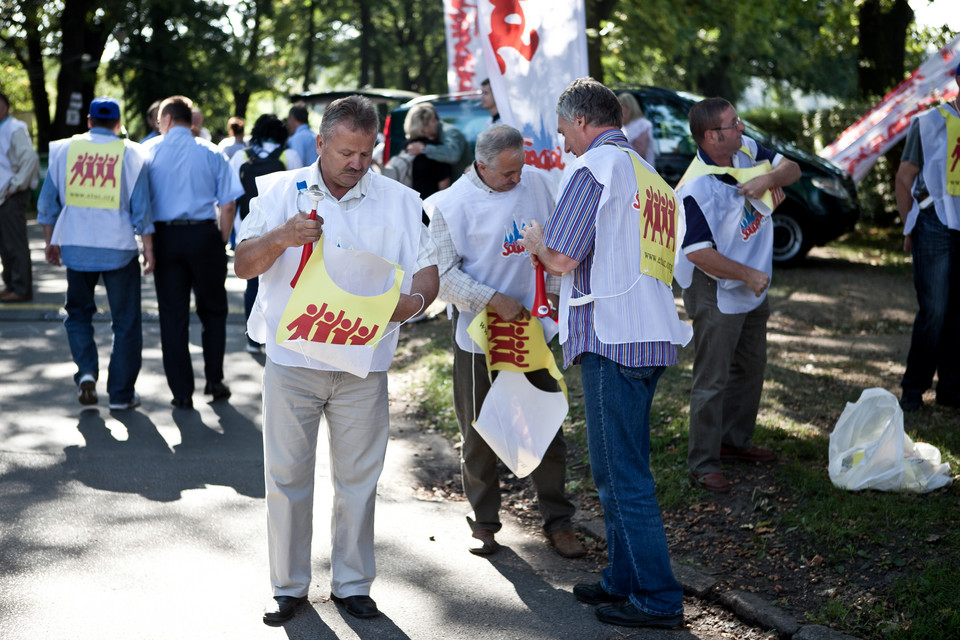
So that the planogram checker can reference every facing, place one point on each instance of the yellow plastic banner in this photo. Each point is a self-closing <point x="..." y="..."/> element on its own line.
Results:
<point x="94" y="174"/>
<point x="513" y="346"/>
<point x="953" y="152"/>
<point x="657" y="204"/>
<point x="771" y="198"/>
<point x="321" y="311"/>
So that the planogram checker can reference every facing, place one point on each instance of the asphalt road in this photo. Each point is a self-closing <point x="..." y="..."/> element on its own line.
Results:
<point x="150" y="523"/>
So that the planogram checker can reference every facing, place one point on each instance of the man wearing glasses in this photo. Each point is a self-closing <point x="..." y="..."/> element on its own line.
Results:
<point x="724" y="266"/>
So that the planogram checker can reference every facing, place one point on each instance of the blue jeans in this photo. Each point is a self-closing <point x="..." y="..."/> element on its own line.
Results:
<point x="935" y="345"/>
<point x="618" y="401"/>
<point x="123" y="295"/>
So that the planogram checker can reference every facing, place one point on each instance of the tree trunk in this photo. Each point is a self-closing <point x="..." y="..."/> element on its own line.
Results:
<point x="880" y="52"/>
<point x="366" y="29"/>
<point x="597" y="11"/>
<point x="308" y="54"/>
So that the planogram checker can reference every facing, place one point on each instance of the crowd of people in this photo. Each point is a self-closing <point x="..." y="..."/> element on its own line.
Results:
<point x="476" y="234"/>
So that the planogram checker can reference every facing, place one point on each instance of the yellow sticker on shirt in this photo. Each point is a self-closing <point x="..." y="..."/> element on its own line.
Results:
<point x="518" y="345"/>
<point x="321" y="311"/>
<point x="953" y="152"/>
<point x="657" y="204"/>
<point x="93" y="174"/>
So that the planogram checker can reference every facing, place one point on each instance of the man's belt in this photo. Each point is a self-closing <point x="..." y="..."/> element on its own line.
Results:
<point x="183" y="223"/>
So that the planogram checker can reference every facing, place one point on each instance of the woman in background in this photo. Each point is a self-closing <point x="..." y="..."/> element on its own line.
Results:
<point x="637" y="128"/>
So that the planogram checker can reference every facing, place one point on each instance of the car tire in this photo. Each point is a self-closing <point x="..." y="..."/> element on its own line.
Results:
<point x="790" y="242"/>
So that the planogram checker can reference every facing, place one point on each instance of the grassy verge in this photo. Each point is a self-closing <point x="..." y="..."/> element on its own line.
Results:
<point x="887" y="562"/>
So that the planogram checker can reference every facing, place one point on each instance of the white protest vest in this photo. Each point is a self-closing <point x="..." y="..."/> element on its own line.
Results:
<point x="7" y="128"/>
<point x="933" y="141"/>
<point x="739" y="231"/>
<point x="627" y="305"/>
<point x="95" y="227"/>
<point x="387" y="223"/>
<point x="485" y="228"/>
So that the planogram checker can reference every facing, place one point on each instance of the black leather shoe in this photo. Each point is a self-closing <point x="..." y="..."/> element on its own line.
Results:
<point x="182" y="403"/>
<point x="281" y="609"/>
<point x="358" y="606"/>
<point x="624" y="614"/>
<point x="594" y="594"/>
<point x="218" y="390"/>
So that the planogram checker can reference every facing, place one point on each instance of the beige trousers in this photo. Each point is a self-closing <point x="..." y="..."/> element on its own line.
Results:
<point x="357" y="420"/>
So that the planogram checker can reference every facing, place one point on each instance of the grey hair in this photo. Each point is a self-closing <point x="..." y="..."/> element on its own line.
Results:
<point x="419" y="116"/>
<point x="494" y="141"/>
<point x="357" y="112"/>
<point x="588" y="99"/>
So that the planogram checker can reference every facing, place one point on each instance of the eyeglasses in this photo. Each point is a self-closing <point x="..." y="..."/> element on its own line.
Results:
<point x="735" y="125"/>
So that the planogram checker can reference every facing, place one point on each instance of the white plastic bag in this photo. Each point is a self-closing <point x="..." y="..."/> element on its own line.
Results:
<point x="869" y="449"/>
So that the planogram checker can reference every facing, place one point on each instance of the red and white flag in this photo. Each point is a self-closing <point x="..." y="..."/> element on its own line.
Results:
<point x="532" y="49"/>
<point x="465" y="69"/>
<point x="857" y="148"/>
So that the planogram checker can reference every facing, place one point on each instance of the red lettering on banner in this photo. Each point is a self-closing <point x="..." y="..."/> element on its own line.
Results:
<point x="659" y="217"/>
<point x="463" y="61"/>
<point x="510" y="34"/>
<point x="547" y="159"/>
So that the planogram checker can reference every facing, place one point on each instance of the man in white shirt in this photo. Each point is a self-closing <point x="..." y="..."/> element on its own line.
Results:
<point x="361" y="211"/>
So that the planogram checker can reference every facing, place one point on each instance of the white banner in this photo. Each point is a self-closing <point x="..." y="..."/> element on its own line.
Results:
<point x="857" y="148"/>
<point x="532" y="50"/>
<point x="465" y="70"/>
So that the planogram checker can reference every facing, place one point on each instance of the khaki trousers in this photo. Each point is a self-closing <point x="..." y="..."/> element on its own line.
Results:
<point x="357" y="420"/>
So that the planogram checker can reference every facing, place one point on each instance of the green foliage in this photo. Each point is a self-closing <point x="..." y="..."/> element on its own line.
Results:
<point x="708" y="47"/>
<point x="816" y="129"/>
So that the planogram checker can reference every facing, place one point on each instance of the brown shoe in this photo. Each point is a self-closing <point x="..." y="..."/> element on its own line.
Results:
<point x="486" y="544"/>
<point x="752" y="453"/>
<point x="566" y="544"/>
<point x="712" y="481"/>
<point x="12" y="296"/>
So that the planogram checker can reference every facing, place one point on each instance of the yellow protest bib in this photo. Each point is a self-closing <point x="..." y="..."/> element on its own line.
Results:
<point x="771" y="198"/>
<point x="320" y="311"/>
<point x="93" y="174"/>
<point x="657" y="204"/>
<point x="953" y="152"/>
<point x="513" y="346"/>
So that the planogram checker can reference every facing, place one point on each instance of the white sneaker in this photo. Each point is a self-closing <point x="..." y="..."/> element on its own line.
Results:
<point x="123" y="406"/>
<point x="87" y="389"/>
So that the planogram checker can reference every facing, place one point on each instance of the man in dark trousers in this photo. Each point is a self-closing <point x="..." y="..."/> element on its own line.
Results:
<point x="190" y="182"/>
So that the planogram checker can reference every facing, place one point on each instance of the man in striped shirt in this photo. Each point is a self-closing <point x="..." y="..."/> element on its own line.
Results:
<point x="621" y="326"/>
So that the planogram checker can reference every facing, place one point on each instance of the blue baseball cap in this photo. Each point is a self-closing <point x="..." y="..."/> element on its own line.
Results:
<point x="105" y="109"/>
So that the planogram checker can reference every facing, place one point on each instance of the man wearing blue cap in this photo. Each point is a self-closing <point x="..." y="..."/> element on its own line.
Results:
<point x="94" y="201"/>
<point x="928" y="200"/>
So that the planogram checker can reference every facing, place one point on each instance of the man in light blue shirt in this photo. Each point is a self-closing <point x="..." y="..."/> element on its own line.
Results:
<point x="90" y="213"/>
<point x="302" y="139"/>
<point x="190" y="181"/>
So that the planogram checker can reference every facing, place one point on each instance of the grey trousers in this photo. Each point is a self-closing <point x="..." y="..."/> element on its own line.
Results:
<point x="358" y="421"/>
<point x="14" y="247"/>
<point x="478" y="462"/>
<point x="730" y="355"/>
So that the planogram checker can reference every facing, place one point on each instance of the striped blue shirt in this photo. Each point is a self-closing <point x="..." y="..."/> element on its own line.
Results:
<point x="571" y="231"/>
